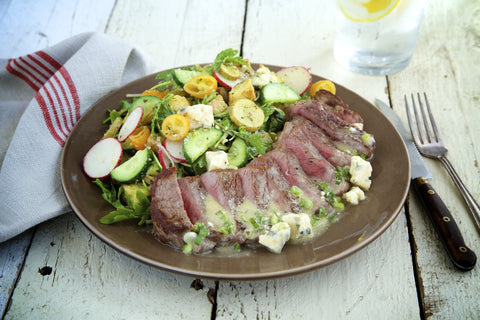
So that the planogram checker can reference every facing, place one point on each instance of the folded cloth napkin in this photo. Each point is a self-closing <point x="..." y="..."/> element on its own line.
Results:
<point x="42" y="95"/>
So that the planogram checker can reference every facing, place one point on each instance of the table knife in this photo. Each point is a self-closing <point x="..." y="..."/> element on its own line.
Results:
<point x="445" y="226"/>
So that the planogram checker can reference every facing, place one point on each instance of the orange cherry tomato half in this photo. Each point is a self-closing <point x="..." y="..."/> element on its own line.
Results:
<point x="175" y="127"/>
<point x="322" y="85"/>
<point x="155" y="93"/>
<point x="139" y="137"/>
<point x="201" y="86"/>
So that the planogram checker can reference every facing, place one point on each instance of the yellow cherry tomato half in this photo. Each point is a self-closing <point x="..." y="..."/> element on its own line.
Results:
<point x="201" y="86"/>
<point x="175" y="127"/>
<point x="322" y="85"/>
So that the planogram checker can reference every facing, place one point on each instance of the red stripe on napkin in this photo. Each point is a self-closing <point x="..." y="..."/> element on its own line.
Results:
<point x="14" y="68"/>
<point x="36" y="58"/>
<point x="56" y="93"/>
<point x="48" y="121"/>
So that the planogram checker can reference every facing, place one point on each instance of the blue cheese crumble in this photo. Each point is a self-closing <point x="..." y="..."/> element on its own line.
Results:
<point x="276" y="237"/>
<point x="360" y="172"/>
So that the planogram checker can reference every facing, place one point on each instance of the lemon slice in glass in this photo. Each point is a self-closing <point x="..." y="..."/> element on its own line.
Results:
<point x="366" y="10"/>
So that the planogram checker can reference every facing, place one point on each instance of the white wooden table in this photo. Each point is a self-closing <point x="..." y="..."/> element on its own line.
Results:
<point x="59" y="270"/>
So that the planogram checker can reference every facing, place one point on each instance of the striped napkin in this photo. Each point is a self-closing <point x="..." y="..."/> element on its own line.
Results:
<point x="42" y="96"/>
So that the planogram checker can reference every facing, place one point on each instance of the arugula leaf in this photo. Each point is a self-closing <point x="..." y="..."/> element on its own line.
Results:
<point x="226" y="56"/>
<point x="257" y="143"/>
<point x="274" y="118"/>
<point x="109" y="194"/>
<point x="139" y="210"/>
<point x="167" y="79"/>
<point x="162" y="110"/>
<point x="261" y="142"/>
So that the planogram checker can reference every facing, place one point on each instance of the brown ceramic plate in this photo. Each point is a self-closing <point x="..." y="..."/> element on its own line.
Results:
<point x="358" y="226"/>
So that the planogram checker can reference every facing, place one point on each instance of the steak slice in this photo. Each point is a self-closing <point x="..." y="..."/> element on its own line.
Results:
<point x="344" y="135"/>
<point x="336" y="105"/>
<point x="278" y="186"/>
<point x="304" y="128"/>
<point x="170" y="220"/>
<point x="193" y="196"/>
<point x="225" y="187"/>
<point x="292" y="171"/>
<point x="316" y="167"/>
<point x="310" y="159"/>
<point x="254" y="184"/>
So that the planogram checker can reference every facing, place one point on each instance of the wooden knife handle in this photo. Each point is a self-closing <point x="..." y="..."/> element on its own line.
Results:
<point x="447" y="230"/>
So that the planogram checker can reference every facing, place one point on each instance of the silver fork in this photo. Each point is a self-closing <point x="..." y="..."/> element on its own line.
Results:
<point x="427" y="138"/>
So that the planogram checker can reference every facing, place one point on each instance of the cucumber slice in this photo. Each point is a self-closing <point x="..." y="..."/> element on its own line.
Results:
<point x="279" y="93"/>
<point x="238" y="154"/>
<point x="198" y="141"/>
<point x="183" y="76"/>
<point x="134" y="168"/>
<point x="148" y="104"/>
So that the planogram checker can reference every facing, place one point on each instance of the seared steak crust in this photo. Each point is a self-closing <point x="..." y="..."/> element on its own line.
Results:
<point x="337" y="106"/>
<point x="170" y="220"/>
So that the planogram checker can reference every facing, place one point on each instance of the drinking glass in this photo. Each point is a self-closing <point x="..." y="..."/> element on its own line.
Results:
<point x="376" y="37"/>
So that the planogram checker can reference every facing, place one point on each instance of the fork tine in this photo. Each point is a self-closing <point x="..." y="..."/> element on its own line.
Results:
<point x="432" y="120"/>
<point x="411" y="124"/>
<point x="420" y="130"/>
<point x="427" y="133"/>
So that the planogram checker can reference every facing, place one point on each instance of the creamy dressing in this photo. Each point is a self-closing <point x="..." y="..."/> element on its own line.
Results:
<point x="246" y="211"/>
<point x="214" y="219"/>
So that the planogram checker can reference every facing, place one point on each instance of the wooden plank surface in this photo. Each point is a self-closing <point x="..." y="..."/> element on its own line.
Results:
<point x="178" y="33"/>
<point x="447" y="71"/>
<point x="27" y="26"/>
<point x="70" y="274"/>
<point x="445" y="66"/>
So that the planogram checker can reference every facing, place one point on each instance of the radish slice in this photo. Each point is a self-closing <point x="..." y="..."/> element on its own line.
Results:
<point x="165" y="160"/>
<point x="102" y="158"/>
<point x="175" y="149"/>
<point x="224" y="82"/>
<point x="130" y="124"/>
<point x="297" y="78"/>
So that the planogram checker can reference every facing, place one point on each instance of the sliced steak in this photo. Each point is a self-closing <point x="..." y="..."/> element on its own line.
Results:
<point x="318" y="137"/>
<point x="225" y="186"/>
<point x="337" y="106"/>
<point x="254" y="184"/>
<point x="343" y="135"/>
<point x="310" y="159"/>
<point x="292" y="171"/>
<point x="193" y="196"/>
<point x="170" y="220"/>
<point x="302" y="128"/>
<point x="278" y="186"/>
